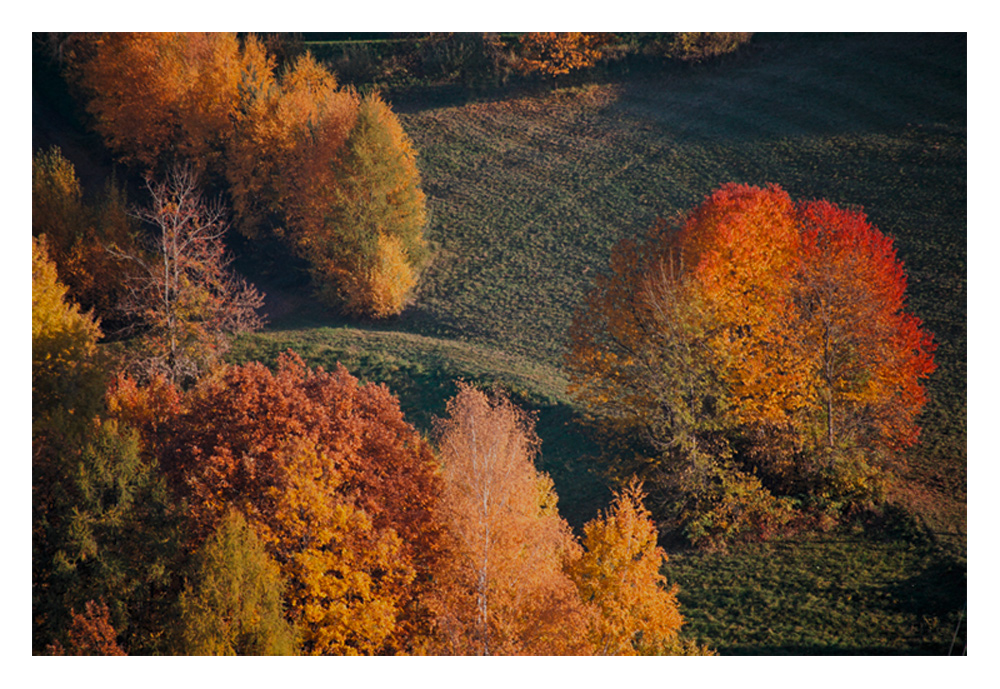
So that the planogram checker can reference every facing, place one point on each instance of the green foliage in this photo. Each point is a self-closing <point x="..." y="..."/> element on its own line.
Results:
<point x="371" y="242"/>
<point x="104" y="529"/>
<point x="66" y="380"/>
<point x="232" y="603"/>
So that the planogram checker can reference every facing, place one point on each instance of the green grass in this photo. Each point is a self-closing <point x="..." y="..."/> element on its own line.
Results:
<point x="527" y="198"/>
<point x="422" y="372"/>
<point x="838" y="595"/>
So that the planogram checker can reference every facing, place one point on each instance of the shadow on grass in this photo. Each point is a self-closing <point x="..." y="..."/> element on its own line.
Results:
<point x="423" y="373"/>
<point x="922" y="649"/>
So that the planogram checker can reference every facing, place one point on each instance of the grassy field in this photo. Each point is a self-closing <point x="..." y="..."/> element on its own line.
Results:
<point x="527" y="196"/>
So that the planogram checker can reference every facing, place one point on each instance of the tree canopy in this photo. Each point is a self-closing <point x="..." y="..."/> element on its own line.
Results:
<point x="758" y="349"/>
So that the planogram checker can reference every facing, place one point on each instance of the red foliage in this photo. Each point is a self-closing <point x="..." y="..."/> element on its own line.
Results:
<point x="90" y="634"/>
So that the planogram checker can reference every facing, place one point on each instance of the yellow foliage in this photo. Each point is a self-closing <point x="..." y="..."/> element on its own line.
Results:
<point x="618" y="575"/>
<point x="344" y="576"/>
<point x="63" y="343"/>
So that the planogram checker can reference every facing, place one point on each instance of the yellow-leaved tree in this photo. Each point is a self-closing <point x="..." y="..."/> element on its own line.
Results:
<point x="367" y="244"/>
<point x="619" y="576"/>
<point x="65" y="379"/>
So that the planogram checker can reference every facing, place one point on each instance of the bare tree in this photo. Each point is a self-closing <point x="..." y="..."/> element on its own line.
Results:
<point x="183" y="299"/>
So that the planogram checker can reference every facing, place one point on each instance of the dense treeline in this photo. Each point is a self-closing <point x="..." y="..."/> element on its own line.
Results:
<point x="182" y="505"/>
<point x="296" y="511"/>
<point x="328" y="170"/>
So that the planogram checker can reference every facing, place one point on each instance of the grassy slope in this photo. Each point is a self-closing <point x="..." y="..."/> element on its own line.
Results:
<point x="529" y="195"/>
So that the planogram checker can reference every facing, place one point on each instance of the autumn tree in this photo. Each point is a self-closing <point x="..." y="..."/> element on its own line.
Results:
<point x="288" y="129"/>
<point x="501" y="591"/>
<point x="233" y="601"/>
<point x="333" y="173"/>
<point x="159" y="99"/>
<point x="865" y="353"/>
<point x="642" y="362"/>
<point x="369" y="244"/>
<point x="77" y="231"/>
<point x="182" y="297"/>
<point x="619" y="574"/>
<point x="730" y="342"/>
<point x="341" y="489"/>
<point x="554" y="53"/>
<point x="66" y="378"/>
<point x="90" y="634"/>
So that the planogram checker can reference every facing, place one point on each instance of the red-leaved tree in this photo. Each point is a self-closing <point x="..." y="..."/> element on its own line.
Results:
<point x="760" y="348"/>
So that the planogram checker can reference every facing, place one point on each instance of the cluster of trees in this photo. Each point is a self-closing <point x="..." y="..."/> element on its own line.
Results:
<point x="326" y="169"/>
<point x="477" y="60"/>
<point x="157" y="276"/>
<point x="755" y="357"/>
<point x="295" y="511"/>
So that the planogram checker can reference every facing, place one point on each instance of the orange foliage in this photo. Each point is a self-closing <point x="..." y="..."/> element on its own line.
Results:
<point x="157" y="98"/>
<point x="554" y="53"/>
<point x="762" y="346"/>
<point x="90" y="634"/>
<point x="361" y="224"/>
<point x="619" y="575"/>
<point x="288" y="132"/>
<point x="741" y="250"/>
<point x="867" y="355"/>
<point x="341" y="488"/>
<point x="502" y="590"/>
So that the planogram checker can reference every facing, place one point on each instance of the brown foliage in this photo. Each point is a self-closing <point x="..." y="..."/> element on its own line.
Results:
<point x="181" y="294"/>
<point x="340" y="486"/>
<point x="90" y="634"/>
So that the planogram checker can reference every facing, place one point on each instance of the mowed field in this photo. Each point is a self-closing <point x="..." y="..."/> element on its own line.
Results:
<point x="527" y="196"/>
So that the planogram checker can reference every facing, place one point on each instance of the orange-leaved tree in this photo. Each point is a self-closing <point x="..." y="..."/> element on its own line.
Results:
<point x="342" y="490"/>
<point x="619" y="574"/>
<point x="554" y="53"/>
<point x="333" y="173"/>
<point x="501" y="590"/>
<point x="760" y="348"/>
<point x="159" y="98"/>
<point x="739" y="250"/>
<point x="288" y="129"/>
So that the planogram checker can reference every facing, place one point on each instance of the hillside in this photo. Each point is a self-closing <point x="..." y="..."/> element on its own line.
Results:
<point x="528" y="195"/>
<point x="528" y="192"/>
